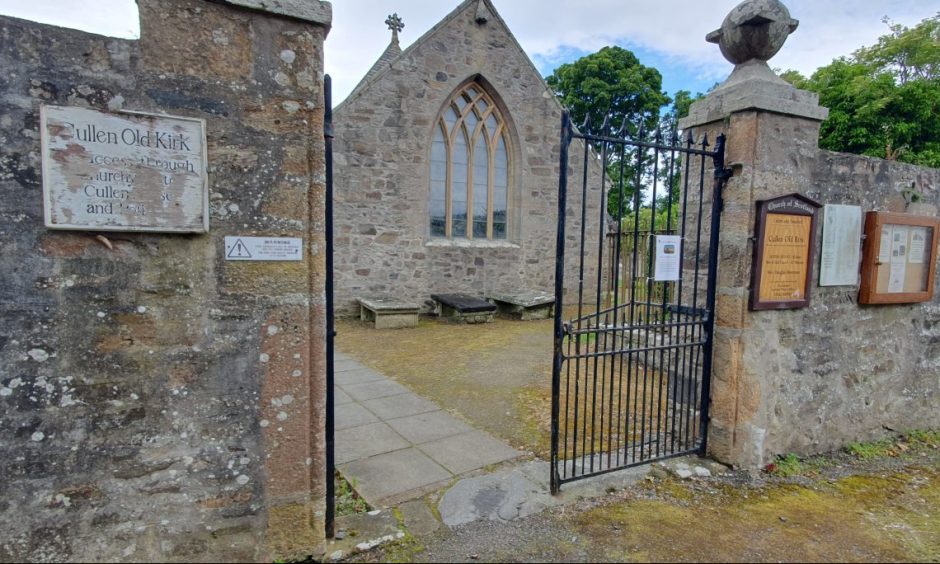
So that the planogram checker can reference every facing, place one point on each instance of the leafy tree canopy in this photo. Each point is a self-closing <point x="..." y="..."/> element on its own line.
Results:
<point x="613" y="85"/>
<point x="610" y="83"/>
<point x="884" y="100"/>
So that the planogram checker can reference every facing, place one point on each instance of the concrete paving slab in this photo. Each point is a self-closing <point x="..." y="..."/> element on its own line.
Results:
<point x="340" y="397"/>
<point x="386" y="475"/>
<point x="426" y="427"/>
<point x="400" y="405"/>
<point x="365" y="441"/>
<point x="351" y="415"/>
<point x="418" y="517"/>
<point x="468" y="451"/>
<point x="357" y="376"/>
<point x="344" y="364"/>
<point x="503" y="496"/>
<point x="371" y="390"/>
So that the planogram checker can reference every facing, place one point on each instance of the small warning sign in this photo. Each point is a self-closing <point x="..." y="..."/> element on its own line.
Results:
<point x="239" y="251"/>
<point x="264" y="248"/>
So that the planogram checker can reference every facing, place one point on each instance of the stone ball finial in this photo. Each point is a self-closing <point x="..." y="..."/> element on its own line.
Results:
<point x="754" y="29"/>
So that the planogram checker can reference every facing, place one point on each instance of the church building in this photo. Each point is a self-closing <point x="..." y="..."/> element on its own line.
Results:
<point x="446" y="170"/>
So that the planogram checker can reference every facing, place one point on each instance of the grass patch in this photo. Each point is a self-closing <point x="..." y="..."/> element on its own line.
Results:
<point x="789" y="465"/>
<point x="784" y="522"/>
<point x="348" y="501"/>
<point x="875" y="449"/>
<point x="792" y="465"/>
<point x="924" y="438"/>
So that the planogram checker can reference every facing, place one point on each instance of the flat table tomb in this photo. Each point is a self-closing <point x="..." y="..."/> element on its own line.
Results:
<point x="389" y="313"/>
<point x="461" y="308"/>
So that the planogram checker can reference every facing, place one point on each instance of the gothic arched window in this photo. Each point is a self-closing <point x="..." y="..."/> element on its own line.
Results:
<point x="470" y="168"/>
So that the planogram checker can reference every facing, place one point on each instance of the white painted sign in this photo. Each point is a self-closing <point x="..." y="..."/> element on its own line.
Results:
<point x="264" y="248"/>
<point x="668" y="255"/>
<point x="841" y="241"/>
<point x="123" y="172"/>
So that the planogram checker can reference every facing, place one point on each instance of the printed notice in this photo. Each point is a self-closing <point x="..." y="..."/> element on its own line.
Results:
<point x="668" y="258"/>
<point x="123" y="171"/>
<point x="899" y="251"/>
<point x="915" y="254"/>
<point x="884" y="250"/>
<point x="264" y="248"/>
<point x="842" y="232"/>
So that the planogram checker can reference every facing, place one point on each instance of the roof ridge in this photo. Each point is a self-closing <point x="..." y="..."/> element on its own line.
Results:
<point x="371" y="77"/>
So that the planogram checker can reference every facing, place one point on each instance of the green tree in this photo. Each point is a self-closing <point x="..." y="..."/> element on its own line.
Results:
<point x="611" y="84"/>
<point x="884" y="100"/>
<point x="612" y="87"/>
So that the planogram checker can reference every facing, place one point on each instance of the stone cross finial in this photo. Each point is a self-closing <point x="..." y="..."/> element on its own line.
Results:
<point x="395" y="24"/>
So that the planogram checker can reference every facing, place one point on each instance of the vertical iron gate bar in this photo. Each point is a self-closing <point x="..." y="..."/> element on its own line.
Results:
<point x="330" y="517"/>
<point x="618" y="359"/>
<point x="644" y="350"/>
<point x="559" y="295"/>
<point x="722" y="175"/>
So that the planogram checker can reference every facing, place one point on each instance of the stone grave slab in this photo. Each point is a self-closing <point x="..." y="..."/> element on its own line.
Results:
<point x="524" y="305"/>
<point x="463" y="308"/>
<point x="389" y="313"/>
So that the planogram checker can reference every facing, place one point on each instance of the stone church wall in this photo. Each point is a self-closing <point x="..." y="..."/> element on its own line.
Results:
<point x="383" y="141"/>
<point x="158" y="402"/>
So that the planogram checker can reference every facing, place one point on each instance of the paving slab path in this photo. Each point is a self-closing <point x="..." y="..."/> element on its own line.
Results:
<point x="394" y="445"/>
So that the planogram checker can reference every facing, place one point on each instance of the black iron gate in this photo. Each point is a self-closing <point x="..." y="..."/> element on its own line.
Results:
<point x="330" y="517"/>
<point x="630" y="379"/>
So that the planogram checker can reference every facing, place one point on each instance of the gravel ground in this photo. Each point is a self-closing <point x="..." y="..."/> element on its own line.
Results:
<point x="833" y="508"/>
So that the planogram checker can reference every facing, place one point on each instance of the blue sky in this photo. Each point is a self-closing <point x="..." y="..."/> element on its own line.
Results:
<point x="676" y="75"/>
<point x="666" y="34"/>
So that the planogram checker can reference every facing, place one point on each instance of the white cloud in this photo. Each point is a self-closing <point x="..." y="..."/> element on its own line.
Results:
<point x="114" y="18"/>
<point x="674" y="29"/>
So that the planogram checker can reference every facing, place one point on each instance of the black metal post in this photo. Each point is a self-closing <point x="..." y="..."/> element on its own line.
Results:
<point x="330" y="330"/>
<point x="722" y="175"/>
<point x="559" y="293"/>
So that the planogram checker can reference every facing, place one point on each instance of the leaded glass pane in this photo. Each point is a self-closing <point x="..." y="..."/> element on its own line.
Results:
<point x="499" y="230"/>
<point x="491" y="124"/>
<point x="460" y="160"/>
<point x="481" y="174"/>
<point x="482" y="105"/>
<point x="471" y="121"/>
<point x="450" y="117"/>
<point x="438" y="184"/>
<point x="472" y="92"/>
<point x="500" y="189"/>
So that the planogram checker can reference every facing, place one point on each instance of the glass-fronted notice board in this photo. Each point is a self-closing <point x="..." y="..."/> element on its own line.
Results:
<point x="900" y="258"/>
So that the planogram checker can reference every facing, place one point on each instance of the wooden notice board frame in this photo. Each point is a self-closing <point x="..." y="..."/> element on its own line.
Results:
<point x="784" y="253"/>
<point x="890" y="247"/>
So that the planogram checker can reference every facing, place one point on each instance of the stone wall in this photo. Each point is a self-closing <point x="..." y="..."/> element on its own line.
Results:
<point x="383" y="139"/>
<point x="813" y="380"/>
<point x="158" y="402"/>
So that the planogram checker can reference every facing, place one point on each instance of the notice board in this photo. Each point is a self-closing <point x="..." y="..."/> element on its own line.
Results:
<point x="783" y="253"/>
<point x="899" y="261"/>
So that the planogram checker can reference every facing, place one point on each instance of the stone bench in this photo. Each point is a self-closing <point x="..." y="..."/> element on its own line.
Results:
<point x="461" y="308"/>
<point x="388" y="313"/>
<point x="524" y="305"/>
